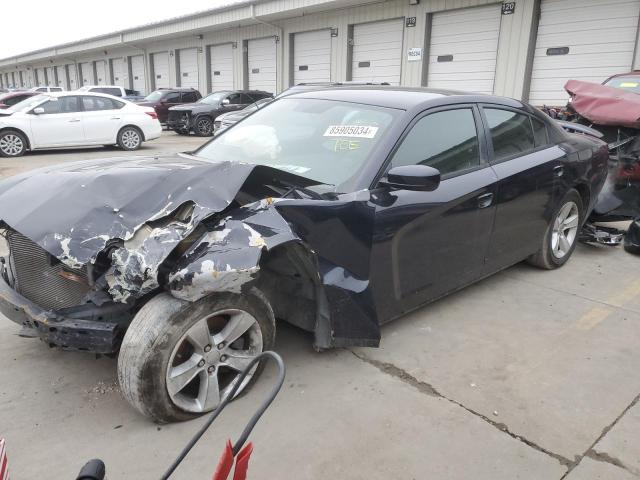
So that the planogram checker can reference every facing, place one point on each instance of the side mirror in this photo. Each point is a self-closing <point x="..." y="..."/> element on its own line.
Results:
<point x="412" y="177"/>
<point x="225" y="101"/>
<point x="38" y="111"/>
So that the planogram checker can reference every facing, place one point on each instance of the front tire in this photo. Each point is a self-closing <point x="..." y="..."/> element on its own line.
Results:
<point x="129" y="138"/>
<point x="203" y="127"/>
<point x="12" y="144"/>
<point x="561" y="237"/>
<point x="178" y="360"/>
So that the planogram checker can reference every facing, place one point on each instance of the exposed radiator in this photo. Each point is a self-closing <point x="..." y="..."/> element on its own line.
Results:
<point x="41" y="278"/>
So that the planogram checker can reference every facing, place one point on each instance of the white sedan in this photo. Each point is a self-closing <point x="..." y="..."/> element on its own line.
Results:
<point x="73" y="119"/>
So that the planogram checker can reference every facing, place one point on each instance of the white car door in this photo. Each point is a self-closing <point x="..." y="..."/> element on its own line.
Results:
<point x="59" y="125"/>
<point x="101" y="118"/>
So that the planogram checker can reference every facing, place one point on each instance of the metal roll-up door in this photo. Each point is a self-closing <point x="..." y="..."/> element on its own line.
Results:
<point x="62" y="77"/>
<point x="188" y="67"/>
<point x="160" y="62"/>
<point x="312" y="57"/>
<point x="586" y="40"/>
<point x="119" y="72"/>
<point x="261" y="64"/>
<point x="221" y="61"/>
<point x="86" y="73"/>
<point x="73" y="77"/>
<point x="51" y="79"/>
<point x="377" y="51"/>
<point x="463" y="49"/>
<point x="138" y="80"/>
<point x="101" y="72"/>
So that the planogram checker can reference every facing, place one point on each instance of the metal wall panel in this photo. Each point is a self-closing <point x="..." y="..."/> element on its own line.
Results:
<point x="138" y="76"/>
<point x="377" y="51"/>
<point x="86" y="73"/>
<point x="188" y="67"/>
<point x="101" y="73"/>
<point x="119" y="72"/>
<point x="160" y="63"/>
<point x="73" y="76"/>
<point x="261" y="64"/>
<point x="61" y="75"/>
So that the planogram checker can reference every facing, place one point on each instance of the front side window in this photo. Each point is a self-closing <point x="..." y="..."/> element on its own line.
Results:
<point x="13" y="100"/>
<point x="446" y="140"/>
<point x="68" y="104"/>
<point x="236" y="99"/>
<point x="173" y="97"/>
<point x="511" y="133"/>
<point x="539" y="132"/>
<point x="324" y="140"/>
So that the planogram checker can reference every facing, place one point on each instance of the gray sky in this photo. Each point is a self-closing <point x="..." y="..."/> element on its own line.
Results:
<point x="36" y="24"/>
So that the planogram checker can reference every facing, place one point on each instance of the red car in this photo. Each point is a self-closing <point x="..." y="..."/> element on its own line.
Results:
<point x="11" y="98"/>
<point x="164" y="98"/>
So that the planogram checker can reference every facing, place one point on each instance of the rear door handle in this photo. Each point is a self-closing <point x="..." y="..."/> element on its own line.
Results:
<point x="558" y="171"/>
<point x="115" y="118"/>
<point x="74" y="120"/>
<point x="485" y="200"/>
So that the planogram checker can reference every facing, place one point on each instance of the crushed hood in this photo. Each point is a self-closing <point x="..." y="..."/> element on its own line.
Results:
<point x="73" y="211"/>
<point x="604" y="105"/>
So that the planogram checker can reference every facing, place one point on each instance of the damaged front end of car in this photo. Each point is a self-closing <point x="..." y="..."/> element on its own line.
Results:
<point x="613" y="116"/>
<point x="100" y="240"/>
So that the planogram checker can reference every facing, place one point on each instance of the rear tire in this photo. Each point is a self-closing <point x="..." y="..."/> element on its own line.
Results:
<point x="164" y="371"/>
<point x="129" y="138"/>
<point x="561" y="237"/>
<point x="12" y="144"/>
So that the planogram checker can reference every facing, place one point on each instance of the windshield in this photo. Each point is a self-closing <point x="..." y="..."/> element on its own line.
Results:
<point x="213" y="99"/>
<point x="28" y="103"/>
<point x="631" y="84"/>
<point x="154" y="96"/>
<point x="324" y="140"/>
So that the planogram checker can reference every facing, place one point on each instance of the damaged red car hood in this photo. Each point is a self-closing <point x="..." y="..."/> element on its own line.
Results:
<point x="604" y="105"/>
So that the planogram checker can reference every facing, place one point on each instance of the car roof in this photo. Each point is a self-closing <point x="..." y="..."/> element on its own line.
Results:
<point x="404" y="98"/>
<point x="79" y="92"/>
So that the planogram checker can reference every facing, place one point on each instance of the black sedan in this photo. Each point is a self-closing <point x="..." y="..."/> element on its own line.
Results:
<point x="336" y="210"/>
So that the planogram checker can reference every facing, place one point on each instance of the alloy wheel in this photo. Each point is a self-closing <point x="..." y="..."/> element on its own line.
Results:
<point x="204" y="126"/>
<point x="130" y="139"/>
<point x="207" y="361"/>
<point x="11" y="145"/>
<point x="565" y="229"/>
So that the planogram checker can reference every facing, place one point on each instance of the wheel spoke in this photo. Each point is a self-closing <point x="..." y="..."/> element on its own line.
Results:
<point x="238" y="324"/>
<point x="181" y="375"/>
<point x="238" y="359"/>
<point x="199" y="335"/>
<point x="209" y="393"/>
<point x="570" y="222"/>
<point x="565" y="246"/>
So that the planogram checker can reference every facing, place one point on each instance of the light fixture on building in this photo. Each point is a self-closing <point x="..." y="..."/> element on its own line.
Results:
<point x="200" y="36"/>
<point x="234" y="44"/>
<point x="334" y="31"/>
<point x="414" y="2"/>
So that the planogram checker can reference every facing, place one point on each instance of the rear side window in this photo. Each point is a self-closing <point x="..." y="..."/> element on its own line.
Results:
<point x="511" y="133"/>
<point x="13" y="100"/>
<point x="189" y="97"/>
<point x="92" y="104"/>
<point x="445" y="140"/>
<point x="540" y="136"/>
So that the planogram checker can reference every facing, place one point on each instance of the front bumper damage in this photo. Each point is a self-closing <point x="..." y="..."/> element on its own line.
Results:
<point x="65" y="331"/>
<point x="179" y="120"/>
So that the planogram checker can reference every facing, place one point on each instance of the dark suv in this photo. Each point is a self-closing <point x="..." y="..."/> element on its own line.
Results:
<point x="199" y="117"/>
<point x="164" y="98"/>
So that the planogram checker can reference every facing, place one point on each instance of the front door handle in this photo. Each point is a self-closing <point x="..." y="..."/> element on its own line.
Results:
<point x="73" y="120"/>
<point x="115" y="118"/>
<point x="558" y="171"/>
<point x="485" y="200"/>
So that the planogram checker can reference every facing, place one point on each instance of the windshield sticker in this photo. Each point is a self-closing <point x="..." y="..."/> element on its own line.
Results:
<point x="357" y="131"/>
<point x="343" y="144"/>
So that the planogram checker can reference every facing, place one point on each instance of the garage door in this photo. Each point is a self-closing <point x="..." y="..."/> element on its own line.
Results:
<point x="188" y="67"/>
<point x="463" y="49"/>
<point x="584" y="40"/>
<point x="73" y="77"/>
<point x="312" y="57"/>
<point x="137" y="73"/>
<point x="101" y="73"/>
<point x="261" y="60"/>
<point x="221" y="75"/>
<point x="62" y="77"/>
<point x="377" y="51"/>
<point x="160" y="63"/>
<point x="119" y="72"/>
<point x="86" y="73"/>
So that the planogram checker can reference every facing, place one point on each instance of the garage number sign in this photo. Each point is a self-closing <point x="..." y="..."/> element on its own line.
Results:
<point x="508" y="8"/>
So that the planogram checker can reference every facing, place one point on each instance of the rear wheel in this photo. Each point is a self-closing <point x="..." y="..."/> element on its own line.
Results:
<point x="12" y="144"/>
<point x="129" y="138"/>
<point x="204" y="127"/>
<point x="562" y="234"/>
<point x="178" y="360"/>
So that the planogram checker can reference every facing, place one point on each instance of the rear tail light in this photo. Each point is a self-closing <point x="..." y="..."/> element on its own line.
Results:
<point x="153" y="115"/>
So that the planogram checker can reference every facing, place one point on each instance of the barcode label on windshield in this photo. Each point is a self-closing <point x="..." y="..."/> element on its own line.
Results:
<point x="357" y="131"/>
